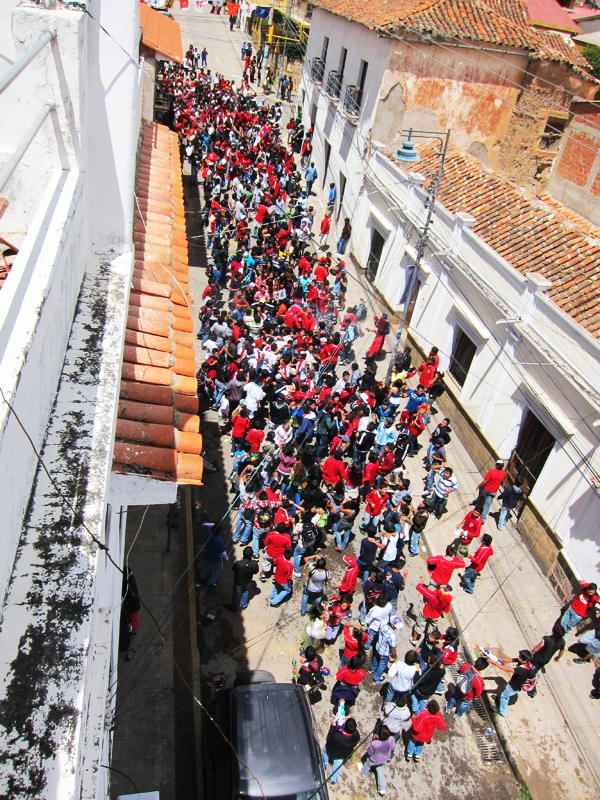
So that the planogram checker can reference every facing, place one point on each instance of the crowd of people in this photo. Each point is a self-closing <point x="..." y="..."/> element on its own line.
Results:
<point x="320" y="444"/>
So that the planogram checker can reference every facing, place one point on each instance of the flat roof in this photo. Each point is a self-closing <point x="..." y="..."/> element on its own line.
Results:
<point x="273" y="729"/>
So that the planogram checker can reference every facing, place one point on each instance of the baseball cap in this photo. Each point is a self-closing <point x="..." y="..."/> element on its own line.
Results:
<point x="396" y="622"/>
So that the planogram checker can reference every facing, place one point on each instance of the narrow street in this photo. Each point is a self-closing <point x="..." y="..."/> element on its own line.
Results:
<point x="467" y="760"/>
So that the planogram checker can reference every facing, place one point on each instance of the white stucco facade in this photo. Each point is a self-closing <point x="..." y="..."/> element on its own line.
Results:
<point x="546" y="362"/>
<point x="63" y="310"/>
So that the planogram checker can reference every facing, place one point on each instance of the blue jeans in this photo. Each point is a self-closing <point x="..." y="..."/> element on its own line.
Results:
<point x="342" y="534"/>
<point x="344" y="661"/>
<point x="245" y="524"/>
<point x="298" y="553"/>
<point x="212" y="568"/>
<point x="502" y="517"/>
<point x="414" y="748"/>
<point x="461" y="704"/>
<point x="570" y="619"/>
<point x="430" y="479"/>
<point x="389" y="695"/>
<point x="504" y="698"/>
<point x="362" y="612"/>
<point x="280" y="592"/>
<point x="469" y="579"/>
<point x="418" y="702"/>
<point x="256" y="534"/>
<point x="369" y="519"/>
<point x="487" y="498"/>
<point x="341" y="245"/>
<point x="335" y="766"/>
<point x="241" y="593"/>
<point x="378" y="665"/>
<point x="372" y="632"/>
<point x="379" y="773"/>
<point x="414" y="543"/>
<point x="304" y="603"/>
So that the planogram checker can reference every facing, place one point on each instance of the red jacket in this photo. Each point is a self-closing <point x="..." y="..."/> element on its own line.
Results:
<point x="370" y="472"/>
<point x="350" y="579"/>
<point x="479" y="560"/>
<point x="478" y="685"/>
<point x="351" y="676"/>
<point x="423" y="726"/>
<point x="436" y="602"/>
<point x="275" y="543"/>
<point x="443" y="568"/>
<point x="283" y="570"/>
<point x="471" y="527"/>
<point x="375" y="503"/>
<point x="334" y="470"/>
<point x="427" y="375"/>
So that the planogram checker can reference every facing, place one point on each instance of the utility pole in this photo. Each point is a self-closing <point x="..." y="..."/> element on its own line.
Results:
<point x="263" y="71"/>
<point x="432" y="192"/>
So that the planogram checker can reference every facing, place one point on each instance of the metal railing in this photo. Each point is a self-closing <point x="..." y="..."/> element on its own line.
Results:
<point x="317" y="69"/>
<point x="334" y="85"/>
<point x="5" y="81"/>
<point x="352" y="102"/>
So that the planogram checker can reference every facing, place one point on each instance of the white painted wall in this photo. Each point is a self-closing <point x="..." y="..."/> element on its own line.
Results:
<point x="348" y="142"/>
<point x="472" y="287"/>
<point x="73" y="194"/>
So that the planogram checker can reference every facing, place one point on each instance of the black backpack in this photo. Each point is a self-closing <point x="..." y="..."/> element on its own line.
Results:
<point x="264" y="517"/>
<point x="308" y="534"/>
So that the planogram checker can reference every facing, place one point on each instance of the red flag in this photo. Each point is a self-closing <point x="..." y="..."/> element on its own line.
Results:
<point x="183" y="4"/>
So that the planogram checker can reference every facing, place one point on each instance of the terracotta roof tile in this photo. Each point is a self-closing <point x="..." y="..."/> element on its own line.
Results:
<point x="501" y="22"/>
<point x="534" y="234"/>
<point x="161" y="33"/>
<point x="158" y="427"/>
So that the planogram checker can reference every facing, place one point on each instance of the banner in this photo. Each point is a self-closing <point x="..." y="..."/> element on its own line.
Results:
<point x="409" y="274"/>
<point x="232" y="9"/>
<point x="262" y="11"/>
<point x="183" y="4"/>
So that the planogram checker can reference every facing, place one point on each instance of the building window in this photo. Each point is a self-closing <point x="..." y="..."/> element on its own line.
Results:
<point x="375" y="252"/>
<point x="534" y="445"/>
<point x="342" y="192"/>
<point x="463" y="353"/>
<point x="325" y="49"/>
<point x="552" y="135"/>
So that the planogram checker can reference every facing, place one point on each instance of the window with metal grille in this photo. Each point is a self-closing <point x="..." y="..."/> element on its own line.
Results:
<point x="463" y="353"/>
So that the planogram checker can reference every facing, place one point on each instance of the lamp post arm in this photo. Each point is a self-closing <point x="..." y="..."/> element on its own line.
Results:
<point x="420" y="249"/>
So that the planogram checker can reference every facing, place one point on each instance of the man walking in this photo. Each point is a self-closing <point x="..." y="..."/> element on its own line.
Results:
<point x="379" y="753"/>
<point x="437" y="602"/>
<point x="510" y="497"/>
<point x="443" y="489"/>
<point x="522" y="678"/>
<point x="344" y="237"/>
<point x="214" y="557"/>
<point x="339" y="746"/>
<point x="478" y="562"/>
<point x="468" y="686"/>
<point x="488" y="488"/>
<point x="419" y="521"/>
<point x="385" y="648"/>
<point x="423" y="727"/>
<point x="243" y="570"/>
<point x="311" y="175"/>
<point x="282" y="579"/>
<point x="205" y="55"/>
<point x="580" y="607"/>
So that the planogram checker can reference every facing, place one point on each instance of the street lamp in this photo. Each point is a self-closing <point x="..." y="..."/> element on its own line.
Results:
<point x="408" y="153"/>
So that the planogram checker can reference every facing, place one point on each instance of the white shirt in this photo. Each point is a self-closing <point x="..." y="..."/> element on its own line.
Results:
<point x="391" y="549"/>
<point x="254" y="394"/>
<point x="378" y="615"/>
<point x="401" y="675"/>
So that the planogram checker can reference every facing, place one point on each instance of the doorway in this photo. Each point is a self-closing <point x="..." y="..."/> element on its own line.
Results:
<point x="534" y="445"/>
<point x="327" y="154"/>
<point x="377" y="243"/>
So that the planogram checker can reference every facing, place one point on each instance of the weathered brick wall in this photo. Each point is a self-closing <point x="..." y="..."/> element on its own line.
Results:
<point x="577" y="159"/>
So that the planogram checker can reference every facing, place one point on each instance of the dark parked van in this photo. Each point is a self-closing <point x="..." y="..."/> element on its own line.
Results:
<point x="270" y="725"/>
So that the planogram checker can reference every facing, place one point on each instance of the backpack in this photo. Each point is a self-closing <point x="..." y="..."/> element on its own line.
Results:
<point x="465" y="683"/>
<point x="531" y="681"/>
<point x="374" y="593"/>
<point x="308" y="534"/>
<point x="264" y="517"/>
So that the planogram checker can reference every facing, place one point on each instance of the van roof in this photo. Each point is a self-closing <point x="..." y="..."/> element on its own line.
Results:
<point x="274" y="740"/>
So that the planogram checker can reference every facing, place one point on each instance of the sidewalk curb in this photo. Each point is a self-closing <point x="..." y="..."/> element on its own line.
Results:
<point x="194" y="642"/>
<point x="498" y="723"/>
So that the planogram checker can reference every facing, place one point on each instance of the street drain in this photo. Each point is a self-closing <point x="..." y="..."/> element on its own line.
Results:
<point x="481" y="725"/>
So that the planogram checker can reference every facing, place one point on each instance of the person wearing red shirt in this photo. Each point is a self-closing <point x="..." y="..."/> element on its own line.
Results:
<point x="469" y="529"/>
<point x="276" y="543"/>
<point x="307" y="320"/>
<point x="350" y="579"/>
<point x="442" y="567"/>
<point x="320" y="273"/>
<point x="387" y="460"/>
<point x="304" y="266"/>
<point x="336" y="614"/>
<point x="238" y="431"/>
<point x="375" y="503"/>
<point x="416" y="426"/>
<point x="423" y="728"/>
<point x="488" y="488"/>
<point x="255" y="437"/>
<point x="355" y="640"/>
<point x="437" y="602"/>
<point x="427" y="370"/>
<point x="325" y="226"/>
<point x="334" y="469"/>
<point x="282" y="578"/>
<point x="580" y="607"/>
<point x="469" y="676"/>
<point x="434" y="357"/>
<point x="478" y="562"/>
<point x="370" y="473"/>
